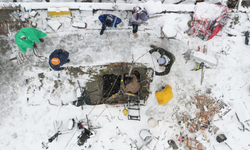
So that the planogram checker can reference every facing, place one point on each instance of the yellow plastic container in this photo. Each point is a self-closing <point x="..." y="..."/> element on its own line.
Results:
<point x="125" y="112"/>
<point x="59" y="11"/>
<point x="164" y="96"/>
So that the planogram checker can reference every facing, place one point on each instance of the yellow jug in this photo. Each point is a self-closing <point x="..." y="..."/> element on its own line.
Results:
<point x="164" y="96"/>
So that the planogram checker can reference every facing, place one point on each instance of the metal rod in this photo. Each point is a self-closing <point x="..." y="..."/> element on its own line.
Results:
<point x="228" y="145"/>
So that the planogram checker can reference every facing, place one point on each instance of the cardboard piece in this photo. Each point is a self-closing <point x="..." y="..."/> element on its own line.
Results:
<point x="194" y="145"/>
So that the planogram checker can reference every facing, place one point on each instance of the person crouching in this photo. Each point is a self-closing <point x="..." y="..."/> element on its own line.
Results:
<point x="109" y="20"/>
<point x="58" y="58"/>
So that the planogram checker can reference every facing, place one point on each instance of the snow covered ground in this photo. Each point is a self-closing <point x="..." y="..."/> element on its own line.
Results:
<point x="27" y="117"/>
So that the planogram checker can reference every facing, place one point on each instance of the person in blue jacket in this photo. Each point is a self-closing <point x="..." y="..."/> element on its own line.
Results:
<point x="58" y="58"/>
<point x="109" y="20"/>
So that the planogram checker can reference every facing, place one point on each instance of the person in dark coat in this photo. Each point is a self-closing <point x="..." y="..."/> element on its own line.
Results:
<point x="109" y="20"/>
<point x="164" y="54"/>
<point x="139" y="17"/>
<point x="58" y="58"/>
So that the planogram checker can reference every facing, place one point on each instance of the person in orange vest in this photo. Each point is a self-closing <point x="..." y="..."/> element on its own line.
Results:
<point x="58" y="58"/>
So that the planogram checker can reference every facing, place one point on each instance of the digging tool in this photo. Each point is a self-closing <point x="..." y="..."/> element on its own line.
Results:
<point x="202" y="72"/>
<point x="57" y="125"/>
<point x="55" y="136"/>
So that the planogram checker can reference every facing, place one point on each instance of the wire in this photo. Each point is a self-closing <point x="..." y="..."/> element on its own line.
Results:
<point x="42" y="58"/>
<point x="141" y="56"/>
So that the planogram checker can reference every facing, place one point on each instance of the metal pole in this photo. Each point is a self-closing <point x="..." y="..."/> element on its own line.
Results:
<point x="228" y="145"/>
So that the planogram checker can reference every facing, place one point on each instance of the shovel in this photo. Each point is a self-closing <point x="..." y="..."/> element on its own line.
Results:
<point x="57" y="125"/>
<point x="222" y="138"/>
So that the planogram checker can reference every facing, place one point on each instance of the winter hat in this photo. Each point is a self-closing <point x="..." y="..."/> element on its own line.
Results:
<point x="137" y="9"/>
<point x="109" y="20"/>
<point x="55" y="61"/>
<point x="161" y="60"/>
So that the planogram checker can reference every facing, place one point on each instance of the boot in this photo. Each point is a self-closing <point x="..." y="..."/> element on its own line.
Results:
<point x="135" y="35"/>
<point x="34" y="45"/>
<point x="153" y="46"/>
<point x="103" y="28"/>
<point x="135" y="28"/>
<point x="41" y="40"/>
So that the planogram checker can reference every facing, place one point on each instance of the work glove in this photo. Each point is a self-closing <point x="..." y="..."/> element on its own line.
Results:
<point x="121" y="24"/>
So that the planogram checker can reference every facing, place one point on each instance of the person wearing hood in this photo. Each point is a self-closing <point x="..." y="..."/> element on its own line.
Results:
<point x="109" y="20"/>
<point x="166" y="59"/>
<point x="139" y="17"/>
<point x="58" y="58"/>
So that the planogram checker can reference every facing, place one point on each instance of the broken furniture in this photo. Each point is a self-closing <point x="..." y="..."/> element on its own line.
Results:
<point x="150" y="140"/>
<point x="199" y="57"/>
<point x="224" y="109"/>
<point x="54" y="24"/>
<point x="164" y="96"/>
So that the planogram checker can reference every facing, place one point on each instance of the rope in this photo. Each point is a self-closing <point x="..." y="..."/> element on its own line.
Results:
<point x="98" y="116"/>
<point x="153" y="62"/>
<point x="91" y="110"/>
<point x="141" y="56"/>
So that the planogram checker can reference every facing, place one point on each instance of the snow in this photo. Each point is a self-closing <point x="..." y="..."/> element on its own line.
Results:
<point x="208" y="60"/>
<point x="54" y="24"/>
<point x="153" y="7"/>
<point x="25" y="123"/>
<point x="208" y="11"/>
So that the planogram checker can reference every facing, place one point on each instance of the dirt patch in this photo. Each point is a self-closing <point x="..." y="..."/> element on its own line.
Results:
<point x="41" y="75"/>
<point x="6" y="14"/>
<point x="75" y="71"/>
<point x="71" y="82"/>
<point x="4" y="46"/>
<point x="56" y="84"/>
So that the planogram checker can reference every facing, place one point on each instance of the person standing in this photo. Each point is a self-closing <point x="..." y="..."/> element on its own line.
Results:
<point x="109" y="20"/>
<point x="139" y="17"/>
<point x="58" y="58"/>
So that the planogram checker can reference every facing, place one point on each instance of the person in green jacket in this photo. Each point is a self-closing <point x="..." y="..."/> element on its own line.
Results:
<point x="164" y="54"/>
<point x="26" y="37"/>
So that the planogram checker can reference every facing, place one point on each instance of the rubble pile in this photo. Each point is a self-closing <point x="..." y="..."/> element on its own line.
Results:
<point x="207" y="107"/>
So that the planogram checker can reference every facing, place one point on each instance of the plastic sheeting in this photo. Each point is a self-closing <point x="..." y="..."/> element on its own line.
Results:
<point x="31" y="35"/>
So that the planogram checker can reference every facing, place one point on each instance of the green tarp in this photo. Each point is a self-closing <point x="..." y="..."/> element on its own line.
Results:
<point x="32" y="35"/>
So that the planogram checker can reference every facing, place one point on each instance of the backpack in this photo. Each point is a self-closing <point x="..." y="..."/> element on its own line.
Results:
<point x="138" y="10"/>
